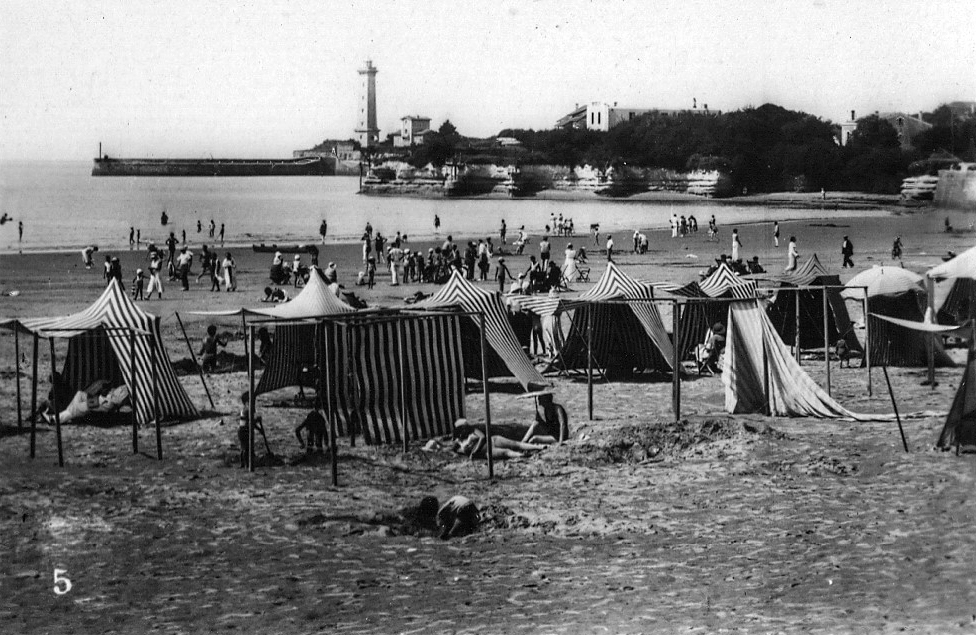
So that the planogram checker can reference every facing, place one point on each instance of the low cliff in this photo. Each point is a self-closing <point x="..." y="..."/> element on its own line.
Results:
<point x="957" y="187"/>
<point x="401" y="179"/>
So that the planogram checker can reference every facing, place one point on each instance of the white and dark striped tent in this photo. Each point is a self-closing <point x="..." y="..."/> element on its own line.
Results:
<point x="504" y="356"/>
<point x="293" y="350"/>
<point x="955" y="288"/>
<point x="783" y="308"/>
<point x="391" y="371"/>
<point x="114" y="339"/>
<point x="616" y="346"/>
<point x="698" y="317"/>
<point x="760" y="374"/>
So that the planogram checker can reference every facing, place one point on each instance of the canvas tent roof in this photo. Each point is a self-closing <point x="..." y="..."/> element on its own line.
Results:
<point x="960" y="423"/>
<point x="315" y="299"/>
<point x="962" y="266"/>
<point x="116" y="315"/>
<point x="459" y="292"/>
<point x="721" y="283"/>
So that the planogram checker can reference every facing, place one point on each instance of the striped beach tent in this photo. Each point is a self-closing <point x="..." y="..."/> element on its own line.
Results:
<point x="394" y="370"/>
<point x="782" y="310"/>
<point x="726" y="283"/>
<point x="789" y="391"/>
<point x="114" y="339"/>
<point x="504" y="356"/>
<point x="617" y="348"/>
<point x="955" y="288"/>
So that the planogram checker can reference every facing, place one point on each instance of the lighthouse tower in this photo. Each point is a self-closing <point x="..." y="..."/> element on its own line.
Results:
<point x="366" y="131"/>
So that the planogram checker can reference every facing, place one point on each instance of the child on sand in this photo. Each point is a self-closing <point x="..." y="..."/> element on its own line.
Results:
<point x="314" y="423"/>
<point x="137" y="285"/>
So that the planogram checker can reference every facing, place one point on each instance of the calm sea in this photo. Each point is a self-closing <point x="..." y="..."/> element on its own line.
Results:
<point x="63" y="207"/>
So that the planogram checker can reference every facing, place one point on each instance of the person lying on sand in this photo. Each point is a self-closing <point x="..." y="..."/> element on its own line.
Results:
<point x="475" y="446"/>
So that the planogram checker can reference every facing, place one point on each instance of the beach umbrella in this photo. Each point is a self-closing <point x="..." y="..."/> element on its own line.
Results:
<point x="883" y="281"/>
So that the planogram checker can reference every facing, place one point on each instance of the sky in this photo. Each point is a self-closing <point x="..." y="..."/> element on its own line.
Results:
<point x="261" y="79"/>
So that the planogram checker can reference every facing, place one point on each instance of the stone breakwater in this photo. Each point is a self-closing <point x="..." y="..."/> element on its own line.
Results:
<point x="402" y="179"/>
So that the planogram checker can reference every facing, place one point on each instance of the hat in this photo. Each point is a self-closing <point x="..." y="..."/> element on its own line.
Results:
<point x="501" y="260"/>
<point x="718" y="328"/>
<point x="138" y="272"/>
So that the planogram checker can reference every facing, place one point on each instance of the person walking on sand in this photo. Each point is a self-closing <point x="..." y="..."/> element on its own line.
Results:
<point x="609" y="248"/>
<point x="775" y="233"/>
<point x="736" y="244"/>
<point x="221" y="234"/>
<point x="847" y="250"/>
<point x="323" y="230"/>
<point x="791" y="255"/>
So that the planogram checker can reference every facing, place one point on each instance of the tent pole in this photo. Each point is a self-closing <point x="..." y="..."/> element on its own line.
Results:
<point x="796" y="326"/>
<point x="676" y="361"/>
<point x="20" y="414"/>
<point x="250" y="402"/>
<point x="404" y="431"/>
<point x="894" y="405"/>
<point x="155" y="404"/>
<point x="867" y="341"/>
<point x="930" y="291"/>
<point x="33" y="416"/>
<point x="326" y="393"/>
<point x="589" y="360"/>
<point x="57" y="407"/>
<point x="766" y="391"/>
<point x="193" y="356"/>
<point x="132" y="392"/>
<point x="826" y="339"/>
<point x="484" y="388"/>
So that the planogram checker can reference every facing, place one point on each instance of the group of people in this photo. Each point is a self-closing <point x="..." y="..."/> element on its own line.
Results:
<point x="560" y="226"/>
<point x="681" y="226"/>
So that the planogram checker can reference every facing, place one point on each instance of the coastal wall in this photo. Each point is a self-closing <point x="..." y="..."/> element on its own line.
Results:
<point x="957" y="187"/>
<point x="398" y="178"/>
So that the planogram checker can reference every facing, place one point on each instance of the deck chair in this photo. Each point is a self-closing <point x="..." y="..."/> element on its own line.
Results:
<point x="708" y="359"/>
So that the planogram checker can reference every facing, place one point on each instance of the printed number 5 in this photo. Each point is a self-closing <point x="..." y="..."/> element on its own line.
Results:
<point x="59" y="579"/>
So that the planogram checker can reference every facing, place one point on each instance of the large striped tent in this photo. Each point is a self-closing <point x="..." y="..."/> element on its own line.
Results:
<point x="114" y="339"/>
<point x="895" y="293"/>
<point x="392" y="370"/>
<point x="782" y="310"/>
<point x="504" y="355"/>
<point x="697" y="317"/>
<point x="759" y="371"/>
<point x="617" y="346"/>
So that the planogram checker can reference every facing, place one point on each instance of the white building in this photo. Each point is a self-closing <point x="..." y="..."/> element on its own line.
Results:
<point x="412" y="130"/>
<point x="600" y="115"/>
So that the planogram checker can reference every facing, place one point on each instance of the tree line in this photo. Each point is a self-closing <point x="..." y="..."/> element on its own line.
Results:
<point x="762" y="149"/>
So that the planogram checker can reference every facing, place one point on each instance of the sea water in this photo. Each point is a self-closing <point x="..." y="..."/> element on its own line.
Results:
<point x="63" y="207"/>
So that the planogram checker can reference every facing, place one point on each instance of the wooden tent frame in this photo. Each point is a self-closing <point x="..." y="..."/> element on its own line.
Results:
<point x="327" y="403"/>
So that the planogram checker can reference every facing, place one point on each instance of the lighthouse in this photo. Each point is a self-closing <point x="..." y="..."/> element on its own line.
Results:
<point x="366" y="131"/>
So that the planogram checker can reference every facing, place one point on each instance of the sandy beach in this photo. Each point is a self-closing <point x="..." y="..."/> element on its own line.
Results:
<point x="638" y="524"/>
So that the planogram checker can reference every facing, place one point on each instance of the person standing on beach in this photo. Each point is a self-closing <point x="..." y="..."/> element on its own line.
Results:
<point x="213" y="227"/>
<point x="199" y="226"/>
<point x="163" y="219"/>
<point x="736" y="243"/>
<point x="544" y="250"/>
<point x="502" y="231"/>
<point x="221" y="234"/>
<point x="437" y="224"/>
<point x="183" y="267"/>
<point x="775" y="233"/>
<point x="107" y="268"/>
<point x="230" y="281"/>
<point x="132" y="237"/>
<point x="155" y="284"/>
<point x="791" y="255"/>
<point x="20" y="231"/>
<point x="693" y="224"/>
<point x="847" y="250"/>
<point x="138" y="238"/>
<point x="184" y="237"/>
<point x="323" y="230"/>
<point x="171" y="247"/>
<point x="502" y="274"/>
<point x="674" y="225"/>
<point x="138" y="284"/>
<point x="609" y="248"/>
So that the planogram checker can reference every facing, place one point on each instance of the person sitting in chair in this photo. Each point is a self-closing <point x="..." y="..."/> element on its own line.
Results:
<point x="554" y="276"/>
<point x="550" y="426"/>
<point x="713" y="348"/>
